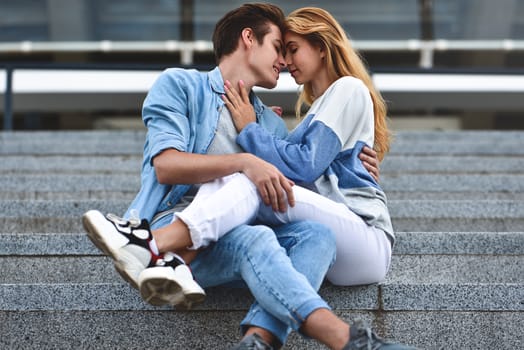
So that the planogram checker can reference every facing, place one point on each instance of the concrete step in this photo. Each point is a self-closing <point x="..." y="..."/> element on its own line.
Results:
<point x="456" y="279"/>
<point x="72" y="142"/>
<point x="401" y="164"/>
<point x="447" y="136"/>
<point x="219" y="330"/>
<point x="77" y="164"/>
<point x="460" y="136"/>
<point x="393" y="164"/>
<point x="410" y="310"/>
<point x="407" y="215"/>
<point x="407" y="243"/>
<point x="131" y="142"/>
<point x="126" y="185"/>
<point x="176" y="330"/>
<point x="90" y="283"/>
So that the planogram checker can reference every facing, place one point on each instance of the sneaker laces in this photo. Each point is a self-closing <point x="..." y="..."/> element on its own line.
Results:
<point x="169" y="259"/>
<point x="133" y="221"/>
<point x="134" y="218"/>
<point x="137" y="225"/>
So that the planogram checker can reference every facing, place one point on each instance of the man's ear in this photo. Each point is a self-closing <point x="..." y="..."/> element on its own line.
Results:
<point x="248" y="37"/>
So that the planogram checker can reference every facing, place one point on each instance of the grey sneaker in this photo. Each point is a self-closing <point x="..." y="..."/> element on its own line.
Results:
<point x="362" y="337"/>
<point x="252" y="342"/>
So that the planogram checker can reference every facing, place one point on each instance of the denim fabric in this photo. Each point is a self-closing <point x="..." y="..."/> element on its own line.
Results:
<point x="181" y="111"/>
<point x="283" y="268"/>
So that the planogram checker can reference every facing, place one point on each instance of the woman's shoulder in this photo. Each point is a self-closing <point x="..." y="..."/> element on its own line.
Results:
<point x="349" y="83"/>
<point x="349" y="88"/>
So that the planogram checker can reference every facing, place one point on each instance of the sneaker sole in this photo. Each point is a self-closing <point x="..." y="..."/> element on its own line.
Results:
<point x="98" y="231"/>
<point x="160" y="286"/>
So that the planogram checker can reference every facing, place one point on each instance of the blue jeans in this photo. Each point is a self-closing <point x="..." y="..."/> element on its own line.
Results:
<point x="283" y="268"/>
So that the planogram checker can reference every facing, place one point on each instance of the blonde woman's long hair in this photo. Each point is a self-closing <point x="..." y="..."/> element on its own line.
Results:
<point x="322" y="30"/>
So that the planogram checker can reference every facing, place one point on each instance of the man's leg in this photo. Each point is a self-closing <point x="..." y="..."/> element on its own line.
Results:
<point x="310" y="249"/>
<point x="285" y="297"/>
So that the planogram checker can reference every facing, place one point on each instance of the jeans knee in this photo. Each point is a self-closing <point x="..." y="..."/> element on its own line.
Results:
<point x="321" y="237"/>
<point x="259" y="238"/>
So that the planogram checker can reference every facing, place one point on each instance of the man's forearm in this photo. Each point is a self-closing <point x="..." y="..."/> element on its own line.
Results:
<point x="175" y="167"/>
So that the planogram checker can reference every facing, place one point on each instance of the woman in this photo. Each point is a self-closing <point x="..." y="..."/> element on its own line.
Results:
<point x="345" y="113"/>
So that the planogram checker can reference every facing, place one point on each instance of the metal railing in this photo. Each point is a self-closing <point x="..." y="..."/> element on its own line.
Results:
<point x="187" y="49"/>
<point x="83" y="81"/>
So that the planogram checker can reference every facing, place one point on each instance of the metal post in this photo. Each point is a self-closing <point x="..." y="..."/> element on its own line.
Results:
<point x="426" y="32"/>
<point x="187" y="13"/>
<point x="8" y="100"/>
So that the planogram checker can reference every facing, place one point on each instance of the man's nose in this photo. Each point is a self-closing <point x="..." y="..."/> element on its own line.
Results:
<point x="282" y="62"/>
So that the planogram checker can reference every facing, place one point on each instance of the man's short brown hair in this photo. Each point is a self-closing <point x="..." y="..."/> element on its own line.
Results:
<point x="256" y="16"/>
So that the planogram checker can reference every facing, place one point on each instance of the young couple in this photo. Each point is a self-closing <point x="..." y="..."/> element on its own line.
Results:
<point x="226" y="190"/>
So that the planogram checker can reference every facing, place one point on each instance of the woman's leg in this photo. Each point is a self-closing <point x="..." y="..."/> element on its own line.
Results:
<point x="218" y="207"/>
<point x="363" y="252"/>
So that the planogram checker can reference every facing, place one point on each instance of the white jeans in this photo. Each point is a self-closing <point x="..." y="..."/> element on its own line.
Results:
<point x="363" y="252"/>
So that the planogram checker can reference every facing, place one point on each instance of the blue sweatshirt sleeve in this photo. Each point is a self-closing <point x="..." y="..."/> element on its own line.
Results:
<point x="303" y="159"/>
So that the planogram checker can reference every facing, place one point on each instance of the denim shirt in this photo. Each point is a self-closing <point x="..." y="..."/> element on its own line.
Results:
<point x="181" y="111"/>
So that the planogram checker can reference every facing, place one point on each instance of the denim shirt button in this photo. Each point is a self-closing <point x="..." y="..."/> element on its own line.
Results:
<point x="169" y="204"/>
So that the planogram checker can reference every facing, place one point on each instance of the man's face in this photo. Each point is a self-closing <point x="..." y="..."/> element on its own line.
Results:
<point x="266" y="59"/>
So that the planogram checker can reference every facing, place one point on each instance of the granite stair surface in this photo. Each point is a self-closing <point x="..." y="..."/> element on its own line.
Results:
<point x="456" y="279"/>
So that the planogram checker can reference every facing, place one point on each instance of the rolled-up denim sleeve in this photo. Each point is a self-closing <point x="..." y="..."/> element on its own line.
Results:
<point x="165" y="115"/>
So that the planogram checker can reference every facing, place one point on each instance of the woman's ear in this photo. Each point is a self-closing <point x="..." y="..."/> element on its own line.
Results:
<point x="322" y="52"/>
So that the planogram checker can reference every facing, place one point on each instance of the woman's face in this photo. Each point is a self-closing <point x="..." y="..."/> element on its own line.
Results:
<point x="304" y="61"/>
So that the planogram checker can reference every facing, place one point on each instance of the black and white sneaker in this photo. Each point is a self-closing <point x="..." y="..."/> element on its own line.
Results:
<point x="170" y="282"/>
<point x="127" y="242"/>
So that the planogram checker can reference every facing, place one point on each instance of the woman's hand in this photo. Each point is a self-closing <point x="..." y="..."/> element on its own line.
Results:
<point x="369" y="159"/>
<point x="242" y="111"/>
<point x="277" y="110"/>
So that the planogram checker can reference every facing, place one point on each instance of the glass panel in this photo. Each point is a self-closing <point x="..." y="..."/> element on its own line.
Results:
<point x="517" y="29"/>
<point x="23" y="20"/>
<point x="479" y="19"/>
<point x="362" y="19"/>
<point x="136" y="20"/>
<point x="152" y="20"/>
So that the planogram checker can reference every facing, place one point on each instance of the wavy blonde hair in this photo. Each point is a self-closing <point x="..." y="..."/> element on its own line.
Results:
<point x="322" y="30"/>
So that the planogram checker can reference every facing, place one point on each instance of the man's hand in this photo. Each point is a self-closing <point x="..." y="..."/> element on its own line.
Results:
<point x="274" y="188"/>
<point x="238" y="104"/>
<point x="370" y="161"/>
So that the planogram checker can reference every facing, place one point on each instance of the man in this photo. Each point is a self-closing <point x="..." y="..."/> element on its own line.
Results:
<point x="191" y="140"/>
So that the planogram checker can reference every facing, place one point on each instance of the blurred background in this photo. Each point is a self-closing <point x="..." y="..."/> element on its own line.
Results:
<point x="84" y="64"/>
